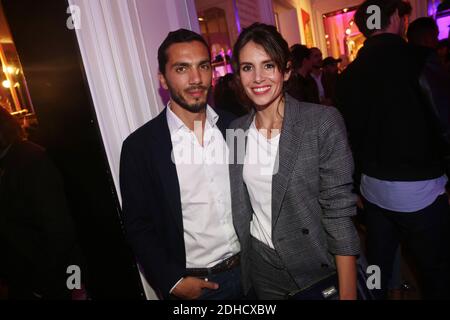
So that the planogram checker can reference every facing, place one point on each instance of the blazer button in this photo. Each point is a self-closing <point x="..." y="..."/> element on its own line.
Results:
<point x="305" y="231"/>
<point x="324" y="265"/>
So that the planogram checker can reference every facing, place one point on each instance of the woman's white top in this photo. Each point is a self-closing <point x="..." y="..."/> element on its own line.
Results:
<point x="261" y="163"/>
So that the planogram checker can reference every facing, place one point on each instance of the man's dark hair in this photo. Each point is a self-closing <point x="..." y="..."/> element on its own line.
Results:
<point x="422" y="28"/>
<point x="387" y="8"/>
<point x="268" y="37"/>
<point x="299" y="53"/>
<point x="10" y="129"/>
<point x="178" y="36"/>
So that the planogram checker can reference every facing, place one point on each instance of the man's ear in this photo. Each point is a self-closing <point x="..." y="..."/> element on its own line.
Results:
<point x="163" y="81"/>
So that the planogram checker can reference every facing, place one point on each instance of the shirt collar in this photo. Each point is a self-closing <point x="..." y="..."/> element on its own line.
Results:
<point x="175" y="123"/>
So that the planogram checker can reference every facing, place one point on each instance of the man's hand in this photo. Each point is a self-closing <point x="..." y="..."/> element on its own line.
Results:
<point x="360" y="203"/>
<point x="190" y="288"/>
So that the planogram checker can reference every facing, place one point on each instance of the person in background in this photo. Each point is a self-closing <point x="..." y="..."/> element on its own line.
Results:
<point x="316" y="72"/>
<point x="37" y="234"/>
<point x="330" y="76"/>
<point x="443" y="51"/>
<point x="423" y="32"/>
<point x="301" y="85"/>
<point x="227" y="98"/>
<point x="398" y="154"/>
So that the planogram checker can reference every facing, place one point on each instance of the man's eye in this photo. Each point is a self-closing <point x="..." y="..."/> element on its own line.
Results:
<point x="180" y="69"/>
<point x="205" y="67"/>
<point x="246" y="68"/>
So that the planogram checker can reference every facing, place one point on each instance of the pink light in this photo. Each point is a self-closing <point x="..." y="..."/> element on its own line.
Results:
<point x="432" y="7"/>
<point x="236" y="16"/>
<point x="443" y="24"/>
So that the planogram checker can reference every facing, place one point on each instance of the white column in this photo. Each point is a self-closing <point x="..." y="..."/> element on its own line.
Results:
<point x="118" y="41"/>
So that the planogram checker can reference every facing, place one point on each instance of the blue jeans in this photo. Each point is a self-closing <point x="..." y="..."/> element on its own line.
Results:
<point x="230" y="287"/>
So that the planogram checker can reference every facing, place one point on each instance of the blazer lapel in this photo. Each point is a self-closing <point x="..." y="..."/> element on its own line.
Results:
<point x="241" y="213"/>
<point x="291" y="136"/>
<point x="167" y="169"/>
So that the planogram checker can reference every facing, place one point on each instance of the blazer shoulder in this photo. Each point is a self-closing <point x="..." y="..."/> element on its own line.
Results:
<point x="143" y="135"/>
<point x="307" y="110"/>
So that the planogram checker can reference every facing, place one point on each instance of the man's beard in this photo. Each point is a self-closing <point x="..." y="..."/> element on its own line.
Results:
<point x="194" y="107"/>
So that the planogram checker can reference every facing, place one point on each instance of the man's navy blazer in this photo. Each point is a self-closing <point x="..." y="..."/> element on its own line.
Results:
<point x="151" y="202"/>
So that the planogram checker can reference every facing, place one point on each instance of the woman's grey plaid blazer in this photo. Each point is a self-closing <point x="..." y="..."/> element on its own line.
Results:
<point x="312" y="199"/>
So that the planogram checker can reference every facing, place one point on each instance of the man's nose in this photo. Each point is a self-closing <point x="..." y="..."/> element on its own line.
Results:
<point x="195" y="76"/>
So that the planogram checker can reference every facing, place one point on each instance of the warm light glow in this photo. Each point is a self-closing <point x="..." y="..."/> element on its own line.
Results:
<point x="348" y="31"/>
<point x="17" y="85"/>
<point x="201" y="19"/>
<point x="6" y="84"/>
<point x="345" y="10"/>
<point x="327" y="36"/>
<point x="352" y="22"/>
<point x="20" y="112"/>
<point x="10" y="69"/>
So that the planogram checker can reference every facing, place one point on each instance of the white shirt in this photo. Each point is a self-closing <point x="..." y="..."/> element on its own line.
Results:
<point x="261" y="163"/>
<point x="402" y="196"/>
<point x="318" y="80"/>
<point x="204" y="181"/>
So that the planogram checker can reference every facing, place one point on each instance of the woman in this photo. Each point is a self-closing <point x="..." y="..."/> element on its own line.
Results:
<point x="291" y="187"/>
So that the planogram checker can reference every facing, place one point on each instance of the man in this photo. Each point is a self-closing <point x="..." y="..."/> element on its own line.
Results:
<point x="424" y="32"/>
<point x="423" y="38"/>
<point x="397" y="151"/>
<point x="330" y="74"/>
<point x="302" y="86"/>
<point x="178" y="213"/>
<point x="316" y="72"/>
<point x="37" y="233"/>
<point x="330" y="65"/>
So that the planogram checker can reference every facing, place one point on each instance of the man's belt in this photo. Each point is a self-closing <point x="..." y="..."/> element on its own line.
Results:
<point x="225" y="265"/>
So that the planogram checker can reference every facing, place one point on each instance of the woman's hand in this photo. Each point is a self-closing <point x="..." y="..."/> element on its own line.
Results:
<point x="346" y="268"/>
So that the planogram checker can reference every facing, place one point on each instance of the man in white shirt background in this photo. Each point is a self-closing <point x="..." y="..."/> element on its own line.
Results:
<point x="175" y="183"/>
<point x="316" y="73"/>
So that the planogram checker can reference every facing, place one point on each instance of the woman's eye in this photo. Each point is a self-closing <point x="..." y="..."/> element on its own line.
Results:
<point x="246" y="68"/>
<point x="269" y="66"/>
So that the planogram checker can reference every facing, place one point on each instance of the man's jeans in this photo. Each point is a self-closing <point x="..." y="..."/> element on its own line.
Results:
<point x="424" y="234"/>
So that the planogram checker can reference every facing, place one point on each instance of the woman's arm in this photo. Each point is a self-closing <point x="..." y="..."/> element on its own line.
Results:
<point x="346" y="268"/>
